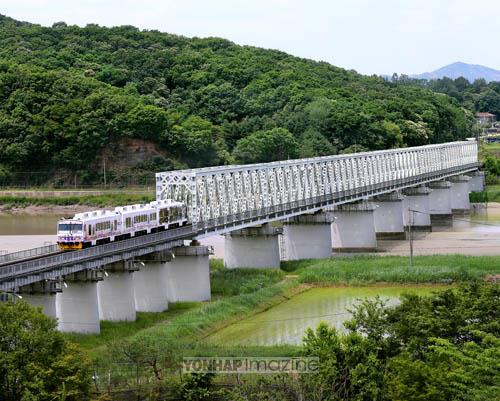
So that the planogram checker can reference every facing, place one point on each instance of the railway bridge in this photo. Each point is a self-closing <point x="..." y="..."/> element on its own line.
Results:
<point x="342" y="203"/>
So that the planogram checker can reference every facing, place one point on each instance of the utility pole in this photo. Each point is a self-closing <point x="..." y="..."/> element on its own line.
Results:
<point x="104" y="169"/>
<point x="410" y="234"/>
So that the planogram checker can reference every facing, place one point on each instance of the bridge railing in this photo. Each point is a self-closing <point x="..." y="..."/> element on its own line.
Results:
<point x="73" y="257"/>
<point x="28" y="253"/>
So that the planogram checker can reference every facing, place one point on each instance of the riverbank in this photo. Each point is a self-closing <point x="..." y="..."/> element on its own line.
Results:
<point x="67" y="202"/>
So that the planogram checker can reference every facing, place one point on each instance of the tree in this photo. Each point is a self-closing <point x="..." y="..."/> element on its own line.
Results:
<point x="36" y="362"/>
<point x="445" y="346"/>
<point x="313" y="144"/>
<point x="266" y="146"/>
<point x="69" y="94"/>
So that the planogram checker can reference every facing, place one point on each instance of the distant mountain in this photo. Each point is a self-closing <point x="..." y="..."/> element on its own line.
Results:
<point x="471" y="72"/>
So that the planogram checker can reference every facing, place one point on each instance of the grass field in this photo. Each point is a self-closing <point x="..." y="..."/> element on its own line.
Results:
<point x="493" y="193"/>
<point x="359" y="270"/>
<point x="114" y="331"/>
<point x="240" y="293"/>
<point x="128" y="349"/>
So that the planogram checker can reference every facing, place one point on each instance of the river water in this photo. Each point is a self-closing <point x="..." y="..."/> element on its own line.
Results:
<point x="477" y="234"/>
<point x="287" y="322"/>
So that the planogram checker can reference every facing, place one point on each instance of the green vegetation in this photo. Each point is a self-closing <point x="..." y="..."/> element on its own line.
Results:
<point x="489" y="155"/>
<point x="75" y="99"/>
<point x="477" y="96"/>
<point x="460" y="326"/>
<point x="442" y="347"/>
<point x="240" y="292"/>
<point x="226" y="282"/>
<point x="112" y="199"/>
<point x="492" y="194"/>
<point x="36" y="362"/>
<point x="196" y="323"/>
<point x="115" y="331"/>
<point x="393" y="269"/>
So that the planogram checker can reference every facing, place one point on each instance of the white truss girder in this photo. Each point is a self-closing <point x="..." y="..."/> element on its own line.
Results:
<point x="215" y="193"/>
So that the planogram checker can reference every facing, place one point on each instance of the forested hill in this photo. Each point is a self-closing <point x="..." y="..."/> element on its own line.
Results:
<point x="71" y="97"/>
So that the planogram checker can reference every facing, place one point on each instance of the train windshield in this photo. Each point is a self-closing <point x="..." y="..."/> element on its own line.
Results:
<point x="70" y="227"/>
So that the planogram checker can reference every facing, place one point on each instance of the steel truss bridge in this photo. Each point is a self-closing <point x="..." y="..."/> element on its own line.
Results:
<point x="225" y="198"/>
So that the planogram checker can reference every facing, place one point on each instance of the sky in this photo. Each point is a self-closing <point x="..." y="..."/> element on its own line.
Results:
<point x="369" y="36"/>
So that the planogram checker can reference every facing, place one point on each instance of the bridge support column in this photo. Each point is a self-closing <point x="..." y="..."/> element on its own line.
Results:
<point x="417" y="199"/>
<point x="440" y="203"/>
<point x="77" y="305"/>
<point x="308" y="236"/>
<point x="388" y="216"/>
<point x="254" y="247"/>
<point x="116" y="292"/>
<point x="477" y="181"/>
<point x="460" y="203"/>
<point x="354" y="228"/>
<point x="151" y="283"/>
<point x="42" y="293"/>
<point x="188" y="274"/>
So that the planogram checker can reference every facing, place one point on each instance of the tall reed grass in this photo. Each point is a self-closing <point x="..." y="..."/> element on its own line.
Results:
<point x="394" y="269"/>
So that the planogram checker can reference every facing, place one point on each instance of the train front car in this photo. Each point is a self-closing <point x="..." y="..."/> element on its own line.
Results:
<point x="70" y="234"/>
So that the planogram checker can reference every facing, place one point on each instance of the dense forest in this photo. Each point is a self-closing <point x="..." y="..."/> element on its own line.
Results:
<point x="477" y="96"/>
<point x="73" y="99"/>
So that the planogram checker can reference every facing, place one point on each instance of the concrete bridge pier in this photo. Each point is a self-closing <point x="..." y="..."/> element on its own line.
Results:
<point x="42" y="293"/>
<point x="354" y="228"/>
<point x="440" y="203"/>
<point x="188" y="273"/>
<point x="253" y="247"/>
<point x="308" y="236"/>
<point x="460" y="203"/>
<point x="78" y="306"/>
<point x="477" y="181"/>
<point x="388" y="216"/>
<point x="151" y="282"/>
<point x="116" y="292"/>
<point x="417" y="200"/>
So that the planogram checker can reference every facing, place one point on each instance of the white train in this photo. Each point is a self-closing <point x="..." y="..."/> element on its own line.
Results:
<point x="103" y="226"/>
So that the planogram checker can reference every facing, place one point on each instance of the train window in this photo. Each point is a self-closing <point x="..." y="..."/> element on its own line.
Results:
<point x="164" y="216"/>
<point x="90" y="229"/>
<point x="128" y="222"/>
<point x="116" y="225"/>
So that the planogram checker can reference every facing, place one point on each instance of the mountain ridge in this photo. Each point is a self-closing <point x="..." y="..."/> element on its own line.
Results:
<point x="471" y="72"/>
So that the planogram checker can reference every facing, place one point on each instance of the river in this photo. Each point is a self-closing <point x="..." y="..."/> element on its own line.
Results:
<point x="287" y="322"/>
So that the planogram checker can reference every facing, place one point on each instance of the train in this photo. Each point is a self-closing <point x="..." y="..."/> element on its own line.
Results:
<point x="99" y="227"/>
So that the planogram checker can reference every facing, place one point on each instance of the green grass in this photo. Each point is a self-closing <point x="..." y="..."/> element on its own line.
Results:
<point x="112" y="331"/>
<point x="225" y="282"/>
<point x="493" y="193"/>
<point x="196" y="323"/>
<point x="240" y="293"/>
<point x="359" y="270"/>
<point x="491" y="149"/>
<point x="111" y="199"/>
